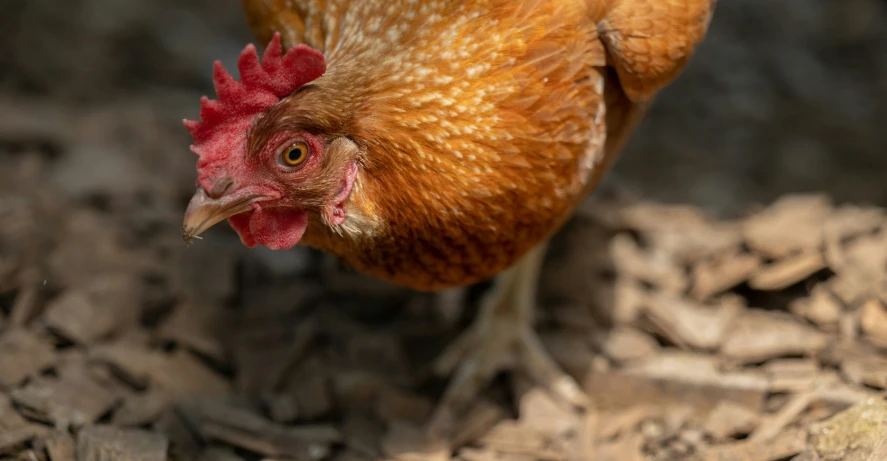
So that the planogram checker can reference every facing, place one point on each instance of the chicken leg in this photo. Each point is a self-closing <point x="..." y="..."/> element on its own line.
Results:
<point x="502" y="337"/>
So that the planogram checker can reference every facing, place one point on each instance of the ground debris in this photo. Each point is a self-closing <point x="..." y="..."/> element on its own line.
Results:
<point x="759" y="335"/>
<point x="106" y="443"/>
<point x="74" y="398"/>
<point x="728" y="420"/>
<point x="22" y="354"/>
<point x="107" y="305"/>
<point x="697" y="339"/>
<point x="217" y="420"/>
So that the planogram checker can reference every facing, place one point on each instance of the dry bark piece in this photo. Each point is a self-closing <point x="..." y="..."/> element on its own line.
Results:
<point x="627" y="344"/>
<point x="788" y="375"/>
<point x="75" y="398"/>
<point x="282" y="408"/>
<point x="792" y="223"/>
<point x="820" y="307"/>
<point x="22" y="354"/>
<point x="788" y="271"/>
<point x="15" y="431"/>
<point x="541" y="413"/>
<point x="788" y="443"/>
<point x="850" y="220"/>
<point x="758" y="335"/>
<point x="651" y="267"/>
<point x="177" y="374"/>
<point x="396" y="405"/>
<point x="721" y="273"/>
<point x="675" y="377"/>
<point x="96" y="311"/>
<point x="873" y="321"/>
<point x="141" y="409"/>
<point x="512" y="439"/>
<point x="196" y="326"/>
<point x="683" y="231"/>
<point x="221" y="421"/>
<point x="628" y="301"/>
<point x="310" y="387"/>
<point x="60" y="446"/>
<point x="263" y="360"/>
<point x="870" y="370"/>
<point x="101" y="443"/>
<point x="629" y="448"/>
<point x="728" y="419"/>
<point x="407" y="442"/>
<point x="688" y="324"/>
<point x="362" y="435"/>
<point x="852" y="434"/>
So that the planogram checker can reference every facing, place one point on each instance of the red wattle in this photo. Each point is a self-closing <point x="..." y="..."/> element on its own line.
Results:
<point x="275" y="228"/>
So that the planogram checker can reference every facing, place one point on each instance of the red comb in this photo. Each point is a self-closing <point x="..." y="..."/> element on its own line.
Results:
<point x="260" y="87"/>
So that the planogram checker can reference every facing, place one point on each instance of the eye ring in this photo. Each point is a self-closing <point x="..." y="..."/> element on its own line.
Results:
<point x="295" y="154"/>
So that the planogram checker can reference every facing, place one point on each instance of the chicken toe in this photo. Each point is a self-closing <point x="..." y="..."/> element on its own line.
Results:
<point x="501" y="338"/>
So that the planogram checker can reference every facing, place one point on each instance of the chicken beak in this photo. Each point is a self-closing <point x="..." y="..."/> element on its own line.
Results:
<point x="204" y="211"/>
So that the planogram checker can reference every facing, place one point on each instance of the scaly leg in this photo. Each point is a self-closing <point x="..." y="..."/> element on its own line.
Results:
<point x="502" y="337"/>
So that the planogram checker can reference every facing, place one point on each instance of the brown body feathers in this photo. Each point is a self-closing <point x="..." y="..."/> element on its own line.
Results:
<point x="481" y="123"/>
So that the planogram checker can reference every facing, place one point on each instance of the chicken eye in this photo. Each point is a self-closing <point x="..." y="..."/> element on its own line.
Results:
<point x="295" y="154"/>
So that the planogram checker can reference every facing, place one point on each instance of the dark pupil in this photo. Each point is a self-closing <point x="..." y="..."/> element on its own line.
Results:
<point x="295" y="154"/>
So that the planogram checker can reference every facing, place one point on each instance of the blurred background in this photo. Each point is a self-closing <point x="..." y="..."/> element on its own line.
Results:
<point x="783" y="96"/>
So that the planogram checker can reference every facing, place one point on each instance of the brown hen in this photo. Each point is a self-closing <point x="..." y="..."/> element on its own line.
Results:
<point x="435" y="143"/>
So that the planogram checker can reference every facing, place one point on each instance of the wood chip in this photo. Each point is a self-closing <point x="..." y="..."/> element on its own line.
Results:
<point x="820" y="307"/>
<point x="791" y="224"/>
<point x="510" y="438"/>
<point x="95" y="312"/>
<point x="396" y="405"/>
<point x="15" y="431"/>
<point x="632" y="261"/>
<point x="22" y="354"/>
<point x="670" y="377"/>
<point x="788" y="271"/>
<point x="758" y="335"/>
<point x="870" y="370"/>
<point x="685" y="232"/>
<point x="728" y="419"/>
<point x="75" y="398"/>
<point x="627" y="344"/>
<point x="223" y="422"/>
<point x="790" y="375"/>
<point x="197" y="326"/>
<point x="141" y="409"/>
<point x="362" y="435"/>
<point x="178" y="374"/>
<point x="103" y="443"/>
<point x="716" y="275"/>
<point x="688" y="324"/>
<point x="310" y="387"/>
<point x="407" y="442"/>
<point x="263" y="360"/>
<point x="873" y="321"/>
<point x="60" y="446"/>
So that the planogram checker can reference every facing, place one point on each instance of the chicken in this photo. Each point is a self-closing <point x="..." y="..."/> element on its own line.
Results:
<point x="435" y="143"/>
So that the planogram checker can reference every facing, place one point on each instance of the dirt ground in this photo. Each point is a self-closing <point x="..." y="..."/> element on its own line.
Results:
<point x="762" y="336"/>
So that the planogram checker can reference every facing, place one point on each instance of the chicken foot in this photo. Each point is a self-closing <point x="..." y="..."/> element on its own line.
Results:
<point x="501" y="338"/>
